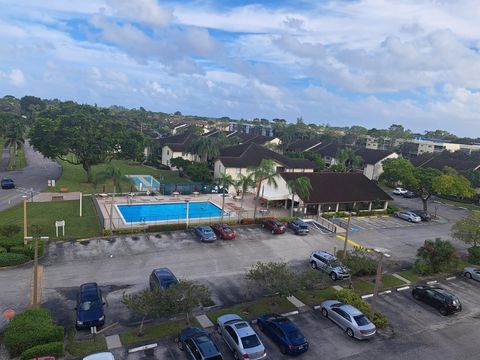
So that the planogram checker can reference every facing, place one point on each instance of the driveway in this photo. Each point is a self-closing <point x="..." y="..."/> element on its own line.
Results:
<point x="29" y="180"/>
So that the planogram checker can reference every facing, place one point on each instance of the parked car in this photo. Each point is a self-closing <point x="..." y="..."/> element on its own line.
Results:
<point x="424" y="215"/>
<point x="284" y="333"/>
<point x="439" y="298"/>
<point x="224" y="232"/>
<point x="410" y="195"/>
<point x="100" y="356"/>
<point x="205" y="234"/>
<point x="240" y="337"/>
<point x="7" y="183"/>
<point x="43" y="358"/>
<point x="472" y="273"/>
<point x="275" y="226"/>
<point x="330" y="264"/>
<point x="89" y="307"/>
<point x="198" y="345"/>
<point x="298" y="226"/>
<point x="349" y="318"/>
<point x="162" y="278"/>
<point x="399" y="191"/>
<point x="408" y="215"/>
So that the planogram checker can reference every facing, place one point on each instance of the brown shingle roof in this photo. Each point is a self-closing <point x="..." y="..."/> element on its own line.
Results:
<point x="371" y="156"/>
<point x="332" y="187"/>
<point x="459" y="162"/>
<point x="330" y="149"/>
<point x="178" y="142"/>
<point x="304" y="145"/>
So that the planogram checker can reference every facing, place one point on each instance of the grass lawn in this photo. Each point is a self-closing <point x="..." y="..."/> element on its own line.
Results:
<point x="362" y="287"/>
<point x="74" y="178"/>
<point x="254" y="309"/>
<point x="460" y="204"/>
<point x="152" y="332"/>
<point x="389" y="281"/>
<point x="409" y="275"/>
<point x="315" y="297"/>
<point x="20" y="162"/>
<point x="44" y="215"/>
<point x="84" y="347"/>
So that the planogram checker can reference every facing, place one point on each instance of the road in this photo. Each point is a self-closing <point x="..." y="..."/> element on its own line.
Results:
<point x="34" y="177"/>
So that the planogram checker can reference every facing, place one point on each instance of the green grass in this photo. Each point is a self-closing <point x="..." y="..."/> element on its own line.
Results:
<point x="74" y="178"/>
<point x="84" y="347"/>
<point x="152" y="332"/>
<point x="362" y="286"/>
<point x="20" y="160"/>
<point x="44" y="215"/>
<point x="409" y="275"/>
<point x="460" y="204"/>
<point x="254" y="309"/>
<point x="315" y="297"/>
<point x="390" y="281"/>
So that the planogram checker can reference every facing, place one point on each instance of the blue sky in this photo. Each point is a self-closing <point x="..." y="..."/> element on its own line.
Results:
<point x="366" y="62"/>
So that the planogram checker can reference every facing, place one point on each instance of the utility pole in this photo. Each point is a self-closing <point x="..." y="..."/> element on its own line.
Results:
<point x="25" y="197"/>
<point x="378" y="279"/>
<point x="35" y="266"/>
<point x="346" y="237"/>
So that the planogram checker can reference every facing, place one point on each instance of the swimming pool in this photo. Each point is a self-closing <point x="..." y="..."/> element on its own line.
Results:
<point x="144" y="182"/>
<point x="140" y="213"/>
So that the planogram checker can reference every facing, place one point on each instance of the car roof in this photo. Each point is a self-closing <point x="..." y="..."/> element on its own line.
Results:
<point x="206" y="345"/>
<point x="228" y="318"/>
<point x="100" y="356"/>
<point x="163" y="273"/>
<point x="325" y="254"/>
<point x="242" y="328"/>
<point x="284" y="323"/>
<point x="349" y="309"/>
<point x="298" y="221"/>
<point x="204" y="227"/>
<point x="88" y="289"/>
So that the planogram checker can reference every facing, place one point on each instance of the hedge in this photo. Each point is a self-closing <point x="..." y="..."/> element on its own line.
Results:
<point x="31" y="328"/>
<point x="49" y="349"/>
<point x="10" y="259"/>
<point x="473" y="255"/>
<point x="28" y="250"/>
<point x="2" y="250"/>
<point x="8" y="243"/>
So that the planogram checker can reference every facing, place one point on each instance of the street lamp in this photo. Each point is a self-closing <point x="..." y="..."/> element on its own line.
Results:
<point x="188" y="202"/>
<point x="378" y="278"/>
<point x="25" y="197"/>
<point x="35" y="265"/>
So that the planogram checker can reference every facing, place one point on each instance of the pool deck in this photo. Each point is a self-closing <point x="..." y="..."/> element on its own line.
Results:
<point x="145" y="183"/>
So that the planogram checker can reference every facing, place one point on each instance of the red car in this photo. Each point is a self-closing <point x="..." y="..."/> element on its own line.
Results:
<point x="223" y="231"/>
<point x="275" y="226"/>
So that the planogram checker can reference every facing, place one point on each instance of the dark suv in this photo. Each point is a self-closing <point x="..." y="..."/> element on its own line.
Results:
<point x="7" y="183"/>
<point x="198" y="345"/>
<point x="275" y="226"/>
<point x="89" y="307"/>
<point x="298" y="227"/>
<point x="162" y="278"/>
<point x="440" y="299"/>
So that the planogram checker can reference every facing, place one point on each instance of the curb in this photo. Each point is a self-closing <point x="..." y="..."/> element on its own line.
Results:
<point x="316" y="307"/>
<point x="451" y="278"/>
<point x="367" y="296"/>
<point x="432" y="282"/>
<point x="403" y="288"/>
<point x="294" y="312"/>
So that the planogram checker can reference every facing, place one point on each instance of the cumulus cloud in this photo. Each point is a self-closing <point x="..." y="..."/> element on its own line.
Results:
<point x="145" y="11"/>
<point x="14" y="77"/>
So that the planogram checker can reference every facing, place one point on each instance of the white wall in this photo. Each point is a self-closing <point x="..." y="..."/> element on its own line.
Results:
<point x="373" y="171"/>
<point x="168" y="155"/>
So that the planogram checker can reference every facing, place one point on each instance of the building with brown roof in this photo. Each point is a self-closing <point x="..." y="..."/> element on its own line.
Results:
<point x="177" y="146"/>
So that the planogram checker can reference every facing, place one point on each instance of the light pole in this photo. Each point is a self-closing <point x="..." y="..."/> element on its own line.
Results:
<point x="188" y="202"/>
<point x="378" y="278"/>
<point x="344" y="255"/>
<point x="35" y="266"/>
<point x="25" y="197"/>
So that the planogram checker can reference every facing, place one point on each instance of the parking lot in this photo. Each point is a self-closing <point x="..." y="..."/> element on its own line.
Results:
<point x="384" y="222"/>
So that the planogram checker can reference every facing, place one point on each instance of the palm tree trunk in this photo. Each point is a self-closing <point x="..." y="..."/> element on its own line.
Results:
<point x="140" y="330"/>
<point x="293" y="202"/>
<point x="257" y="199"/>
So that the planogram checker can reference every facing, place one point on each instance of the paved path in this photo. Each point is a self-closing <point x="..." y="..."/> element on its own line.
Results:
<point x="33" y="178"/>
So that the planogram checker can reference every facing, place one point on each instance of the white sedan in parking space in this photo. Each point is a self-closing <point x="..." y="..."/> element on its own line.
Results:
<point x="400" y="191"/>
<point x="472" y="273"/>
<point x="408" y="215"/>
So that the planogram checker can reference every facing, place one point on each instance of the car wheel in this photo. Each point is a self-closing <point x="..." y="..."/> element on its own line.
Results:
<point x="263" y="225"/>
<point x="468" y="275"/>
<point x="333" y="276"/>
<point x="179" y="344"/>
<point x="260" y="326"/>
<point x="443" y="311"/>
<point x="283" y="349"/>
<point x="273" y="232"/>
<point x="416" y="296"/>
<point x="409" y="220"/>
<point x="219" y="331"/>
<point x="313" y="264"/>
<point x="350" y="332"/>
<point x="235" y="355"/>
<point x="324" y="312"/>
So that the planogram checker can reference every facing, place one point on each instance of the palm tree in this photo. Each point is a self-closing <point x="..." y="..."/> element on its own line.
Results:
<point x="266" y="171"/>
<point x="113" y="174"/>
<point x="347" y="160"/>
<point x="300" y="186"/>
<point x="15" y="137"/>
<point x="244" y="183"/>
<point x="225" y="181"/>
<point x="205" y="147"/>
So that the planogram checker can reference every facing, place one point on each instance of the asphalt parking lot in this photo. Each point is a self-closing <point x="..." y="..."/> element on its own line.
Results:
<point x="417" y="331"/>
<point x="383" y="222"/>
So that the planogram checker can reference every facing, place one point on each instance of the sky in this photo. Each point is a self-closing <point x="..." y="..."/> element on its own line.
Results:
<point x="363" y="62"/>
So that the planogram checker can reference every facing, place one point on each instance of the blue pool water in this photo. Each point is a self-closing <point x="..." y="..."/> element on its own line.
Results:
<point x="139" y="184"/>
<point x="172" y="211"/>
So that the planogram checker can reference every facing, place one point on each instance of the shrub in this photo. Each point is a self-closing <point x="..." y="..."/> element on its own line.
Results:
<point x="422" y="268"/>
<point x="348" y="296"/>
<point x="2" y="250"/>
<point x="31" y="328"/>
<point x="10" y="259"/>
<point x="9" y="230"/>
<point x="168" y="227"/>
<point x="359" y="262"/>
<point x="53" y="349"/>
<point x="8" y="243"/>
<point x="128" y="231"/>
<point x="391" y="209"/>
<point x="27" y="250"/>
<point x="438" y="254"/>
<point x="246" y="221"/>
<point x="473" y="255"/>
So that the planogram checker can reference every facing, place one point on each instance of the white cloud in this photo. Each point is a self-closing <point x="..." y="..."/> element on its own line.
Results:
<point x="14" y="77"/>
<point x="146" y="11"/>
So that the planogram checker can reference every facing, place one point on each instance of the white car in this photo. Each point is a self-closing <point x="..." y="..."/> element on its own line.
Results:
<point x="408" y="215"/>
<point x="472" y="273"/>
<point x="100" y="356"/>
<point x="240" y="337"/>
<point x="400" y="191"/>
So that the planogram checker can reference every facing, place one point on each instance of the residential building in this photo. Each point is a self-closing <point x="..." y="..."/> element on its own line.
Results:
<point x="373" y="161"/>
<point x="252" y="129"/>
<point x="304" y="145"/>
<point x="177" y="146"/>
<point x="459" y="161"/>
<point x="421" y="145"/>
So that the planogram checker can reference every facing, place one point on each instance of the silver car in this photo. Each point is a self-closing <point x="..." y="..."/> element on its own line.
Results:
<point x="408" y="215"/>
<point x="240" y="337"/>
<point x="349" y="318"/>
<point x="328" y="263"/>
<point x="472" y="273"/>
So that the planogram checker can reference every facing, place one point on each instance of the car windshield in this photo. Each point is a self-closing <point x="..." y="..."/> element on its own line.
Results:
<point x="207" y="231"/>
<point x="88" y="305"/>
<point x="335" y="263"/>
<point x="361" y="320"/>
<point x="227" y="230"/>
<point x="295" y="335"/>
<point x="250" y="341"/>
<point x="303" y="226"/>
<point x="215" y="357"/>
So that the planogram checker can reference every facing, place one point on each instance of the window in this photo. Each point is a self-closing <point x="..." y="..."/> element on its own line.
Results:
<point x="277" y="330"/>
<point x="342" y="314"/>
<point x="193" y="349"/>
<point x="232" y="333"/>
<point x="250" y="341"/>
<point x="168" y="152"/>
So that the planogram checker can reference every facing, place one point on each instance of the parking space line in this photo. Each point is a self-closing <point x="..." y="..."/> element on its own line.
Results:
<point x="353" y="243"/>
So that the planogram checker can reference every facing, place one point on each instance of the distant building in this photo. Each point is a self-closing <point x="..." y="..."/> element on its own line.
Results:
<point x="251" y="129"/>
<point x="461" y="162"/>
<point x="373" y="161"/>
<point x="177" y="146"/>
<point x="421" y="145"/>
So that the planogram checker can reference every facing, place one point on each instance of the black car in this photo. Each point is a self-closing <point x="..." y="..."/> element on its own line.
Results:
<point x="298" y="227"/>
<point x="410" y="195"/>
<point x="439" y="298"/>
<point x="8" y="183"/>
<point x="424" y="215"/>
<point x="198" y="345"/>
<point x="89" y="307"/>
<point x="162" y="278"/>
